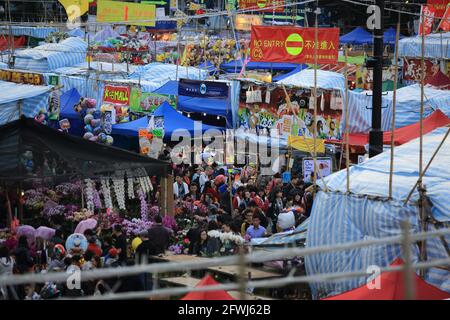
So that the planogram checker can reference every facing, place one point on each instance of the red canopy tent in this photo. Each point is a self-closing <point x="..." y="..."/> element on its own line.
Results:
<point x="392" y="287"/>
<point x="18" y="42"/>
<point x="207" y="295"/>
<point x="402" y="135"/>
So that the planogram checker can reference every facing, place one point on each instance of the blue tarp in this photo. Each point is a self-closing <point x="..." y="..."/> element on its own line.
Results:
<point x="366" y="213"/>
<point x="173" y="121"/>
<point x="407" y="107"/>
<point x="170" y="88"/>
<point x="52" y="56"/>
<point x="389" y="36"/>
<point x="358" y="35"/>
<point x="326" y="80"/>
<point x="68" y="100"/>
<point x="33" y="99"/>
<point x="436" y="46"/>
<point x="291" y="68"/>
<point x="130" y="128"/>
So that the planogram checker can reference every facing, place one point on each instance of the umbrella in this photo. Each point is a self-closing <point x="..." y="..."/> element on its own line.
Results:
<point x="45" y="233"/>
<point x="76" y="240"/>
<point x="27" y="231"/>
<point x="86" y="225"/>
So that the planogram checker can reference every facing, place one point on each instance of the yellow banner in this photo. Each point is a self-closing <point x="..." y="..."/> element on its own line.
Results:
<point x="75" y="8"/>
<point x="126" y="12"/>
<point x="306" y="144"/>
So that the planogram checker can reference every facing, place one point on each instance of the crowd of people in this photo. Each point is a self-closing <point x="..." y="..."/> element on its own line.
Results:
<point x="259" y="206"/>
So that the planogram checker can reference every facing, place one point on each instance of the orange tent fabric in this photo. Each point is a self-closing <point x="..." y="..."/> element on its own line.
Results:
<point x="392" y="288"/>
<point x="207" y="295"/>
<point x="402" y="135"/>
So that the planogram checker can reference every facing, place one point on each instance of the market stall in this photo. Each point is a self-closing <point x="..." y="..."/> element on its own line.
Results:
<point x="367" y="212"/>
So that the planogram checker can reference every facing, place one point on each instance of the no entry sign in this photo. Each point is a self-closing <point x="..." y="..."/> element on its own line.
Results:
<point x="292" y="44"/>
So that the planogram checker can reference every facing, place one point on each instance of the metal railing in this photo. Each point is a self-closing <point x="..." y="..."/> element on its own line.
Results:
<point x="405" y="239"/>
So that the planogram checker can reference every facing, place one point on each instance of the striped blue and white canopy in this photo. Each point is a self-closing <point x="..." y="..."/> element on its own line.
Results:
<point x="366" y="213"/>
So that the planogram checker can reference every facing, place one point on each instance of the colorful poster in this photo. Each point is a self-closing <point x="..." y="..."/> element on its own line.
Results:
<point x="324" y="165"/>
<point x="270" y="5"/>
<point x="117" y="95"/>
<point x="277" y="117"/>
<point x="293" y="44"/>
<point x="115" y="11"/>
<point x="426" y="26"/>
<point x="147" y="102"/>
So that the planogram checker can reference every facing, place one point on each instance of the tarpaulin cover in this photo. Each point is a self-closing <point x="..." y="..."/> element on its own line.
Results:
<point x="174" y="121"/>
<point x="407" y="107"/>
<point x="402" y="135"/>
<point x="390" y="35"/>
<point x="29" y="149"/>
<point x="32" y="99"/>
<point x="358" y="35"/>
<point x="326" y="80"/>
<point x="392" y="287"/>
<point x="208" y="280"/>
<point x="52" y="56"/>
<point x="436" y="46"/>
<point x="366" y="213"/>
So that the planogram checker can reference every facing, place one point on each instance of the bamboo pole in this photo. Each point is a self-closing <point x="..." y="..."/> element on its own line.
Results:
<point x="347" y="135"/>
<point x="316" y="40"/>
<point x="422" y="248"/>
<point x="394" y="103"/>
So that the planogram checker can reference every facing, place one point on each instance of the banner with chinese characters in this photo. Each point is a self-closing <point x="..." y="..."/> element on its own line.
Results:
<point x="147" y="102"/>
<point x="439" y="7"/>
<point x="115" y="11"/>
<point x="426" y="20"/>
<point x="262" y="5"/>
<point x="295" y="45"/>
<point x="22" y="77"/>
<point x="117" y="95"/>
<point x="412" y="69"/>
<point x="444" y="25"/>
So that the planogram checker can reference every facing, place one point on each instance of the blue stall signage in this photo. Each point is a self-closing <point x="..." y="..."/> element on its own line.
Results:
<point x="203" y="89"/>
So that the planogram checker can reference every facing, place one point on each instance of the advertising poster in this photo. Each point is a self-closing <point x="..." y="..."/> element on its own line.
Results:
<point x="277" y="117"/>
<point x="325" y="165"/>
<point x="147" y="102"/>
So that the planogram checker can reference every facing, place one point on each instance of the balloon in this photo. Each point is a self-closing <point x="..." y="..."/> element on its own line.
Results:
<point x="88" y="135"/>
<point x="135" y="243"/>
<point x="109" y="140"/>
<point x="88" y="118"/>
<point x="88" y="128"/>
<point x="76" y="240"/>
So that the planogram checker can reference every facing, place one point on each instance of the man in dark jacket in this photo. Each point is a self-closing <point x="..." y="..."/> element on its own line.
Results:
<point x="159" y="236"/>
